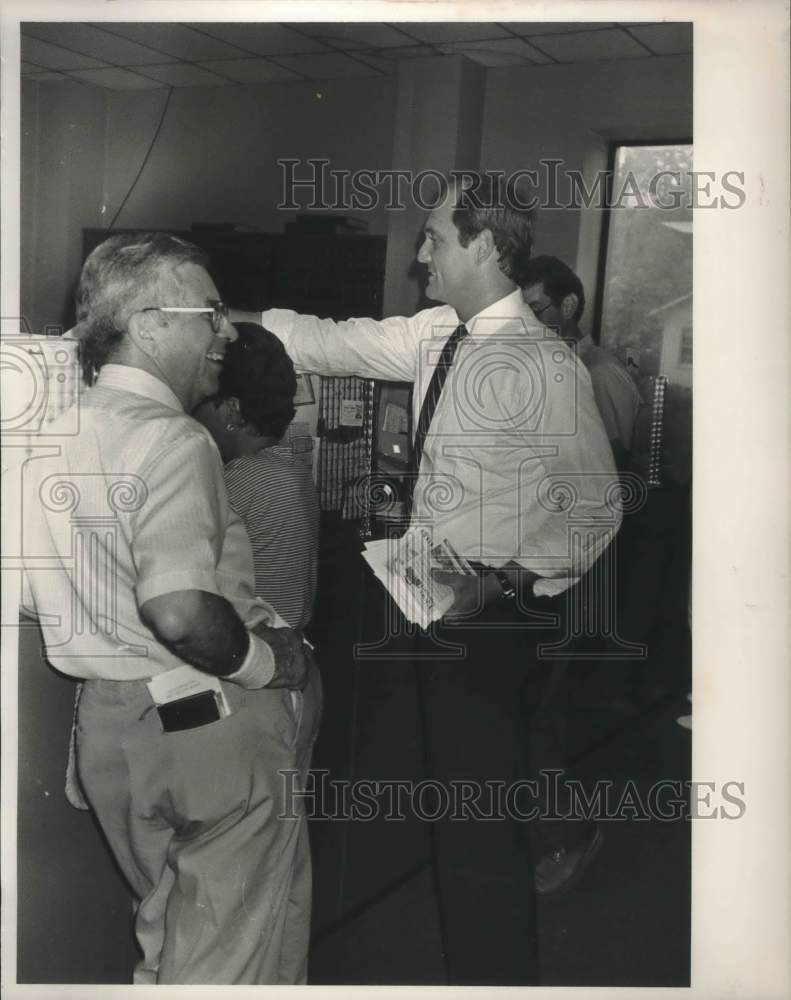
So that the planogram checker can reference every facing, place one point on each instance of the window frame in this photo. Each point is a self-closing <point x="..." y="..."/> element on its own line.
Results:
<point x="613" y="145"/>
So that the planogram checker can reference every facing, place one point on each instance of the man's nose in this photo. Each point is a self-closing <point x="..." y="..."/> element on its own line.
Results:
<point x="228" y="331"/>
<point x="423" y="254"/>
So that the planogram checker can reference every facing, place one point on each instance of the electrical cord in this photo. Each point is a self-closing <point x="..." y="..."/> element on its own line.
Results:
<point x="145" y="158"/>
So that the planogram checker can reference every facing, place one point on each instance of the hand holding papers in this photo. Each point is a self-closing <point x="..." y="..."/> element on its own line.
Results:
<point x="404" y="565"/>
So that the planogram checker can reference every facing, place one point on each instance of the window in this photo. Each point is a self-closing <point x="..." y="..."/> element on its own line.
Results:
<point x="644" y="312"/>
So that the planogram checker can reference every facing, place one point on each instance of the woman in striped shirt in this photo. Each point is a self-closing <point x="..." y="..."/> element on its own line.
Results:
<point x="272" y="492"/>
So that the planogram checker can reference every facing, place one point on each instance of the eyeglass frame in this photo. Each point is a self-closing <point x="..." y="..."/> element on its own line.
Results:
<point x="218" y="309"/>
<point x="539" y="312"/>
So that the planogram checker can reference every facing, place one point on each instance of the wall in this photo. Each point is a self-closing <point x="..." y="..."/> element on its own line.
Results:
<point x="570" y="113"/>
<point x="215" y="158"/>
<point x="213" y="161"/>
<point x="62" y="148"/>
<point x="437" y="127"/>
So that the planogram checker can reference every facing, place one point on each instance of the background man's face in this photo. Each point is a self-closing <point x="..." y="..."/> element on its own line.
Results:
<point x="545" y="310"/>
<point x="450" y="265"/>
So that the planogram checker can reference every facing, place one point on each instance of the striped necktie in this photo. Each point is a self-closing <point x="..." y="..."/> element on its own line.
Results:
<point x="431" y="399"/>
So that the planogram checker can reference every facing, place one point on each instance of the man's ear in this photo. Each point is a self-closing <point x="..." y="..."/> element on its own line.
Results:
<point x="485" y="246"/>
<point x="141" y="330"/>
<point x="569" y="305"/>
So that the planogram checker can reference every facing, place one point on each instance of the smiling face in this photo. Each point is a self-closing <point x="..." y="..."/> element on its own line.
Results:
<point x="451" y="267"/>
<point x="191" y="353"/>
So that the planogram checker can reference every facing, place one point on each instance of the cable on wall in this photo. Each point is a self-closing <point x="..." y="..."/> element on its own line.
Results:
<point x="145" y="158"/>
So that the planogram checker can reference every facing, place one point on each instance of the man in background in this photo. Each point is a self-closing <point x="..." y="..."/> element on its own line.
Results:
<point x="556" y="296"/>
<point x="185" y="716"/>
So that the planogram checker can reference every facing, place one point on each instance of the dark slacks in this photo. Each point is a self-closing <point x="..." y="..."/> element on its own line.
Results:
<point x="472" y="712"/>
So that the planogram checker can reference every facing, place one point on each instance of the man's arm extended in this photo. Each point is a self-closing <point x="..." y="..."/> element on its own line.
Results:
<point x="205" y="631"/>
<point x="242" y="316"/>
<point x="385" y="349"/>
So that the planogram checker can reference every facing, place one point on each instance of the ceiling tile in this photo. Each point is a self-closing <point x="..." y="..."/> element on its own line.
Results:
<point x="497" y="52"/>
<point x="326" y="66"/>
<point x="250" y="70"/>
<point x="408" y="52"/>
<point x="221" y="53"/>
<point x="586" y="45"/>
<point x="87" y="39"/>
<point x="452" y="31"/>
<point x="178" y="40"/>
<point x="354" y="34"/>
<point x="54" y="57"/>
<point x="262" y="38"/>
<point x="665" y="39"/>
<point x="185" y="75"/>
<point x="44" y="77"/>
<point x="554" y="27"/>
<point x="383" y="60"/>
<point x="115" y="78"/>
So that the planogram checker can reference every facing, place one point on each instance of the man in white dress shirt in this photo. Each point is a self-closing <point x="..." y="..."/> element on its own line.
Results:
<point x="511" y="454"/>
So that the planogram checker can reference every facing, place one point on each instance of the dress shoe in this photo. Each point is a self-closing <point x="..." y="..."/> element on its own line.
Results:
<point x="560" y="870"/>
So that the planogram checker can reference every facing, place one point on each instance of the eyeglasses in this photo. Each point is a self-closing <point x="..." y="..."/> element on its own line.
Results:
<point x="542" y="309"/>
<point x="218" y="310"/>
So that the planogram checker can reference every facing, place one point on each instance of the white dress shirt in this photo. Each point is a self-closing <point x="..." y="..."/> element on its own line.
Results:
<point x="516" y="465"/>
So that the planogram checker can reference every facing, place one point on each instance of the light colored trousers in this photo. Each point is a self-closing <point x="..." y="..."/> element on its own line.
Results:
<point x="205" y="827"/>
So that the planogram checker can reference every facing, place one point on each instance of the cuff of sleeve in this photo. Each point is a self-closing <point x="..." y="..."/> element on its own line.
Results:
<point x="258" y="668"/>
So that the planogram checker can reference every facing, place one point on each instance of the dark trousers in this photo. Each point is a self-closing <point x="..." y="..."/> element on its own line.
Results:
<point x="472" y="716"/>
<point x="557" y="669"/>
<point x="547" y="721"/>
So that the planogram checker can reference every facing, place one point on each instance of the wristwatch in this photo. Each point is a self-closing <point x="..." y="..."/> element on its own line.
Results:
<point x="508" y="589"/>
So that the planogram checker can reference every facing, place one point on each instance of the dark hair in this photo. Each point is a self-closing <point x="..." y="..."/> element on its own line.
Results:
<point x="117" y="279"/>
<point x="261" y="375"/>
<point x="483" y="202"/>
<point x="558" y="280"/>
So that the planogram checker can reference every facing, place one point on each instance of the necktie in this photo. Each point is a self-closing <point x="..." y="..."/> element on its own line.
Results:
<point x="430" y="401"/>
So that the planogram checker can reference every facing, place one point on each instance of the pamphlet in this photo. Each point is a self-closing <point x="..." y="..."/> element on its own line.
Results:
<point x="404" y="566"/>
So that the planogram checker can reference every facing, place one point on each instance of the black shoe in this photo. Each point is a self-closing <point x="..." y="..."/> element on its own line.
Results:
<point x="560" y="870"/>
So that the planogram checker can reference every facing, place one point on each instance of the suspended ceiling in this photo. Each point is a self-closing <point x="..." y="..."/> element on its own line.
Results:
<point x="136" y="56"/>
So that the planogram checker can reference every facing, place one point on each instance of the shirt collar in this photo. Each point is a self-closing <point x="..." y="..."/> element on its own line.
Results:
<point x="510" y="307"/>
<point x="125" y="378"/>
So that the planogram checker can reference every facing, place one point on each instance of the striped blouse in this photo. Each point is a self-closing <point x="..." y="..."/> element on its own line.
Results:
<point x="277" y="500"/>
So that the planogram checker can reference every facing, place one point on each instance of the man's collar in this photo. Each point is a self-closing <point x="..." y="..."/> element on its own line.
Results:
<point x="125" y="378"/>
<point x="508" y="307"/>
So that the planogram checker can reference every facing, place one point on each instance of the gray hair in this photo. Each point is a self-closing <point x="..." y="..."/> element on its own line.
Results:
<point x="115" y="279"/>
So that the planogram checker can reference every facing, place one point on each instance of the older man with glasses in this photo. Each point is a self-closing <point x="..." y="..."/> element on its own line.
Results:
<point x="195" y="696"/>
